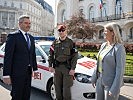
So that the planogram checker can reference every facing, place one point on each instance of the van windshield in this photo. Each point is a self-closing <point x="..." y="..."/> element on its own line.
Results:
<point x="45" y="48"/>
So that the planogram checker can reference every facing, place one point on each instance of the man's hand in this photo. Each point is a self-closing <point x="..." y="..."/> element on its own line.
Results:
<point x="7" y="81"/>
<point x="35" y="74"/>
<point x="71" y="72"/>
<point x="51" y="69"/>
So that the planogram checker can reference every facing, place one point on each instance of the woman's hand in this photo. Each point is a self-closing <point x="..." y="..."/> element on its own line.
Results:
<point x="94" y="85"/>
<point x="110" y="94"/>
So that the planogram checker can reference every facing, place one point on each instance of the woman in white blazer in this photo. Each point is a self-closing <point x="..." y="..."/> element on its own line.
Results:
<point x="108" y="76"/>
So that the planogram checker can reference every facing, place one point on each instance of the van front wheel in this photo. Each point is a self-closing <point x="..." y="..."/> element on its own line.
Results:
<point x="51" y="90"/>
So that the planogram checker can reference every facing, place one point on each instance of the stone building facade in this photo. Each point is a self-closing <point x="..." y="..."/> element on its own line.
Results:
<point x="119" y="11"/>
<point x="40" y="12"/>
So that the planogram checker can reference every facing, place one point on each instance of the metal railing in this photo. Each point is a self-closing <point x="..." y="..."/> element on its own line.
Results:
<point x="112" y="17"/>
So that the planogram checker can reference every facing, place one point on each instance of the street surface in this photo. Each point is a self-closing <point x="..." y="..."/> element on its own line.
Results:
<point x="126" y="93"/>
<point x="35" y="93"/>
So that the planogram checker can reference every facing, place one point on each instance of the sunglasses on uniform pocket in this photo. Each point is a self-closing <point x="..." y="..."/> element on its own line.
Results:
<point x="61" y="30"/>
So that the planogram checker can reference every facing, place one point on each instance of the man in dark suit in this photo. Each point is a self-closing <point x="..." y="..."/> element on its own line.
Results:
<point x="20" y="60"/>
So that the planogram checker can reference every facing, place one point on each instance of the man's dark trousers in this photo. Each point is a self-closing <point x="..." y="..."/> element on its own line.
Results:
<point x="21" y="86"/>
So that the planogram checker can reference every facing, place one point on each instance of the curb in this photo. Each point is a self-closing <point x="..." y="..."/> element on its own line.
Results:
<point x="126" y="91"/>
<point x="127" y="96"/>
<point x="128" y="79"/>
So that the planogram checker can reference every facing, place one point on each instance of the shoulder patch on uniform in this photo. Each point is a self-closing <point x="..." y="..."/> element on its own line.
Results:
<point x="57" y="41"/>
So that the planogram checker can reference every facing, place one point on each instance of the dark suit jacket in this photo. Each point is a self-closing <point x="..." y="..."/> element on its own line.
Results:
<point x="18" y="56"/>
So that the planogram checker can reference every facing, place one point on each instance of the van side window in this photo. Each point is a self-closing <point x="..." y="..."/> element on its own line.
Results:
<point x="38" y="53"/>
<point x="3" y="49"/>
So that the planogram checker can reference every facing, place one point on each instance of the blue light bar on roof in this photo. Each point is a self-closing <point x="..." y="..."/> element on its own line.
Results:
<point x="47" y="38"/>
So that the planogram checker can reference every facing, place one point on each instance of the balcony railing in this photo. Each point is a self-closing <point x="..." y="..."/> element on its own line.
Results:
<point x="8" y="7"/>
<point x="112" y="17"/>
<point x="81" y="0"/>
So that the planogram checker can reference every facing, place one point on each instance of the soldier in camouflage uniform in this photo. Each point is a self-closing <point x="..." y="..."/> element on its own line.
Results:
<point x="62" y="61"/>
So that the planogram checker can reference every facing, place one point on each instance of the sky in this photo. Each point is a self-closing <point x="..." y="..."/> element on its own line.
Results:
<point x="51" y="3"/>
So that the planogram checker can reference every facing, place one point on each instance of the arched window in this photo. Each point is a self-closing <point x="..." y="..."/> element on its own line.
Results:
<point x="118" y="7"/>
<point x="12" y="4"/>
<point x="5" y="3"/>
<point x="4" y="19"/>
<point x="91" y="13"/>
<point x="104" y="10"/>
<point x="63" y="15"/>
<point x="81" y="10"/>
<point x="120" y="30"/>
<point x="101" y="35"/>
<point x="20" y="5"/>
<point x="131" y="33"/>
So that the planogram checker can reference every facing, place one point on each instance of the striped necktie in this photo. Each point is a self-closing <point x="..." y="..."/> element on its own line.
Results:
<point x="28" y="40"/>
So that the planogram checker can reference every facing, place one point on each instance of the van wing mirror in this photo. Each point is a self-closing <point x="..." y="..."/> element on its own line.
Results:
<point x="40" y="59"/>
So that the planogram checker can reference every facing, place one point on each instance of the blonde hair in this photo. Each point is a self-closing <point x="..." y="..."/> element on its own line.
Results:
<point x="113" y="27"/>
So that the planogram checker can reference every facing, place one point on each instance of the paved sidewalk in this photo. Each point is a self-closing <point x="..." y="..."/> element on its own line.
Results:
<point x="4" y="94"/>
<point x="127" y="91"/>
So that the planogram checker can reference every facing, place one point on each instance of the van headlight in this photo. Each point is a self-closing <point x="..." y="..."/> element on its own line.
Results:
<point x="83" y="78"/>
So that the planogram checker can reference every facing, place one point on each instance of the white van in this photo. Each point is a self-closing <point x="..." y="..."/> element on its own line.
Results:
<point x="81" y="89"/>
